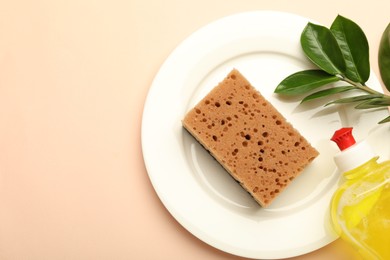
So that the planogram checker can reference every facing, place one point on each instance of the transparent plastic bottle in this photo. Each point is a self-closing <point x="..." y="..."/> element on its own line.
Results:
<point x="360" y="208"/>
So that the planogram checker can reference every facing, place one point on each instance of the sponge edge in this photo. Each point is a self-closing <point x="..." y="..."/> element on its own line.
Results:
<point x="249" y="138"/>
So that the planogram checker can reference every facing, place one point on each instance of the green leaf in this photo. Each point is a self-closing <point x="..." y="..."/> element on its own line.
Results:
<point x="304" y="81"/>
<point x="354" y="99"/>
<point x="387" y="119"/>
<point x="321" y="47"/>
<point x="384" y="57"/>
<point x="354" y="47"/>
<point x="374" y="103"/>
<point x="327" y="92"/>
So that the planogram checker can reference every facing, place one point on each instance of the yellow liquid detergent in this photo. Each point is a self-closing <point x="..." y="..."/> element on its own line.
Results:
<point x="360" y="208"/>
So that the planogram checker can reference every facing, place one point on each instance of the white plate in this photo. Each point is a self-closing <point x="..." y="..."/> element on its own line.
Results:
<point x="264" y="46"/>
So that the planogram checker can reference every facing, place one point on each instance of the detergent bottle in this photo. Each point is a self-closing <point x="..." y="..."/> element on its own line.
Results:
<point x="360" y="207"/>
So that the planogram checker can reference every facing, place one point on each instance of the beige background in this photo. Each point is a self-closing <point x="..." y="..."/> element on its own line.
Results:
<point x="74" y="75"/>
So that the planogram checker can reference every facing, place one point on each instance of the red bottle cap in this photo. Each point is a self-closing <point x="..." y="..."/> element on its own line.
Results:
<point x="343" y="138"/>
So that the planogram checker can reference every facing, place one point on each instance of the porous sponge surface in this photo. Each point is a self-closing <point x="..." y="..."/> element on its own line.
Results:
<point x="249" y="137"/>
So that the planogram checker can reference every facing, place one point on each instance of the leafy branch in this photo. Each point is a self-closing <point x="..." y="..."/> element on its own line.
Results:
<point x="341" y="54"/>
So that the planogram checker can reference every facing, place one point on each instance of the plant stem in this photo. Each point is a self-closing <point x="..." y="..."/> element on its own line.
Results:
<point x="370" y="90"/>
<point x="361" y="87"/>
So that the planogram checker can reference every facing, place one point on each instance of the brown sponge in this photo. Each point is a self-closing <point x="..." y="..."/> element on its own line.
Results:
<point x="249" y="138"/>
